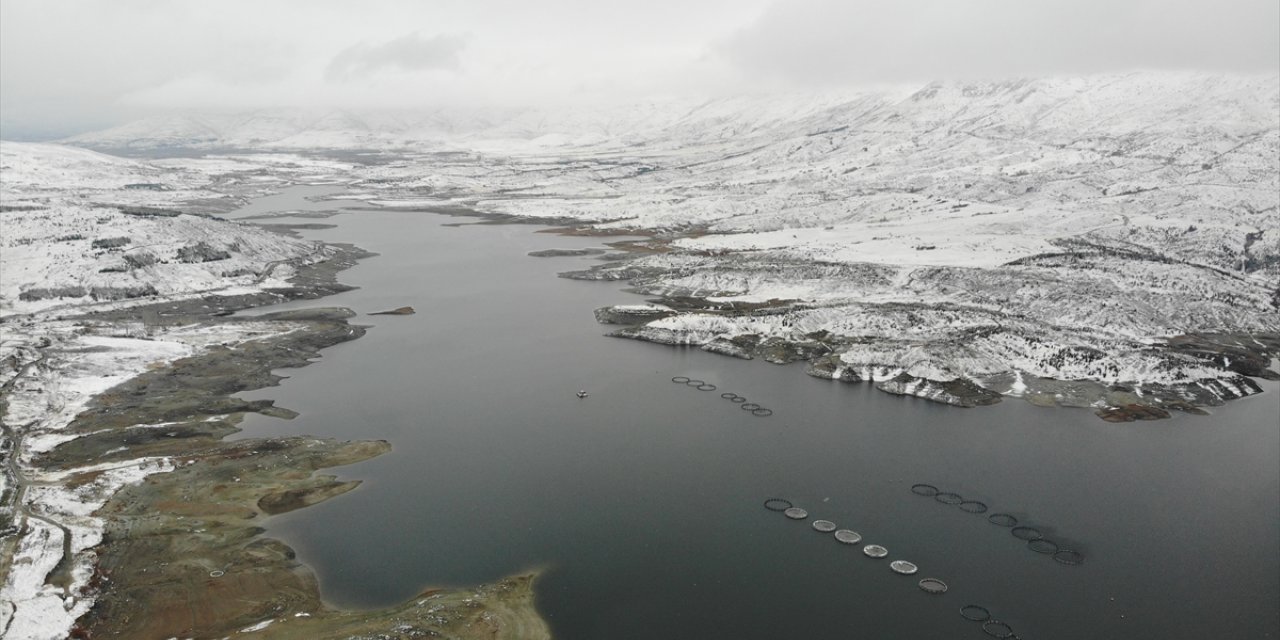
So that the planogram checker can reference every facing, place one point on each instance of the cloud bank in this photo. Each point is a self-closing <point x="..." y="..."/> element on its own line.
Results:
<point x="411" y="52"/>
<point x="74" y="64"/>
<point x="830" y="42"/>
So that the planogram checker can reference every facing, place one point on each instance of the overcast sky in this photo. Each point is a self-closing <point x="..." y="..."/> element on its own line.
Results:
<point x="71" y="65"/>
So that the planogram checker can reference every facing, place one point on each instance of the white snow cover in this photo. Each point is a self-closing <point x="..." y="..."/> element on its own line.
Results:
<point x="257" y="627"/>
<point x="76" y="367"/>
<point x="1057" y="217"/>
<point x="1104" y="212"/>
<point x="1032" y="228"/>
<point x="57" y="202"/>
<point x="65" y="230"/>
<point x="78" y="364"/>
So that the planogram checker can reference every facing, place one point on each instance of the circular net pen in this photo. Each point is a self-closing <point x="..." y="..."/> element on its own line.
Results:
<point x="762" y="412"/>
<point x="974" y="613"/>
<point x="949" y="498"/>
<point x="749" y="406"/>
<point x="973" y="506"/>
<point x="694" y="383"/>
<point x="679" y="379"/>
<point x="1043" y="545"/>
<point x="903" y="567"/>
<point x="1068" y="556"/>
<point x="875" y="551"/>
<point x="846" y="536"/>
<point x="706" y="387"/>
<point x="796" y="513"/>
<point x="997" y="629"/>
<point x="1002" y="520"/>
<point x="933" y="585"/>
<point x="825" y="526"/>
<point x="777" y="504"/>
<point x="926" y="490"/>
<point x="1026" y="533"/>
<point x="729" y="395"/>
<point x="738" y="399"/>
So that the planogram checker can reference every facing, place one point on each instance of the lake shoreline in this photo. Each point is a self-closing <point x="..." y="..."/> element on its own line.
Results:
<point x="1245" y="355"/>
<point x="271" y="557"/>
<point x="181" y="551"/>
<point x="449" y="424"/>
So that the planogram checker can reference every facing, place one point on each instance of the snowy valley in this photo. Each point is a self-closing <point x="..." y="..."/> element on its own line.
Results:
<point x="1041" y="238"/>
<point x="1110" y="242"/>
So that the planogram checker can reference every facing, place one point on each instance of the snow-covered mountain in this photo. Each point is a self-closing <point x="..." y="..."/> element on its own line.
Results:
<point x="1009" y="235"/>
<point x="1061" y="110"/>
<point x="80" y="227"/>
<point x="295" y="128"/>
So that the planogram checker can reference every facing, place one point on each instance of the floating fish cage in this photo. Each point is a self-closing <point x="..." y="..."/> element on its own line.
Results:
<point x="1067" y="556"/>
<point x="997" y="629"/>
<point x="949" y="498"/>
<point x="1043" y="545"/>
<point x="926" y="490"/>
<point x="1002" y="520"/>
<point x="777" y="504"/>
<point x="903" y="567"/>
<point x="1027" y="533"/>
<point x="848" y="537"/>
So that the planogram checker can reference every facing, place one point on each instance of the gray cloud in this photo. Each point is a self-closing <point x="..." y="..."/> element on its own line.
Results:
<point x="73" y="64"/>
<point x="835" y="42"/>
<point x="411" y="52"/>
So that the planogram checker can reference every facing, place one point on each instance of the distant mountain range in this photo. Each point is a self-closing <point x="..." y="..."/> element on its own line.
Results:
<point x="1060" y="111"/>
<point x="1057" y="239"/>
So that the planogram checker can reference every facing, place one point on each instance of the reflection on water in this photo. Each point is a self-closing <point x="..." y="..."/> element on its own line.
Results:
<point x="643" y="502"/>
<point x="296" y="198"/>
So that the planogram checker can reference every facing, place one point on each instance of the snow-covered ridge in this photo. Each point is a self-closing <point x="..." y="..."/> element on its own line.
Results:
<point x="1074" y="222"/>
<point x="1155" y="100"/>
<point x="1071" y="224"/>
<point x="83" y="227"/>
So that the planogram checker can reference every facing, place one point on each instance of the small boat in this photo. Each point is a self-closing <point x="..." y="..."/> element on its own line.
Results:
<point x="582" y="394"/>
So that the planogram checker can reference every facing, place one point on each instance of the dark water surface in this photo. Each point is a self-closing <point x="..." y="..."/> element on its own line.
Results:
<point x="643" y="502"/>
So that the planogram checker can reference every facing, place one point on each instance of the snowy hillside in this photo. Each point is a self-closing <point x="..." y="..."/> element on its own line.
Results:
<point x="1007" y="234"/>
<point x="82" y="232"/>
<point x="81" y="227"/>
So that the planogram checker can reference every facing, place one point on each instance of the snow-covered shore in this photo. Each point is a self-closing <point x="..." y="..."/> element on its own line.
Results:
<point x="1034" y="229"/>
<point x="84" y="232"/>
<point x="1059" y="229"/>
<point x="1047" y="239"/>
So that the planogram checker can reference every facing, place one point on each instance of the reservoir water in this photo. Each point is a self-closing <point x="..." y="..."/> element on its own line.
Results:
<point x="642" y="504"/>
